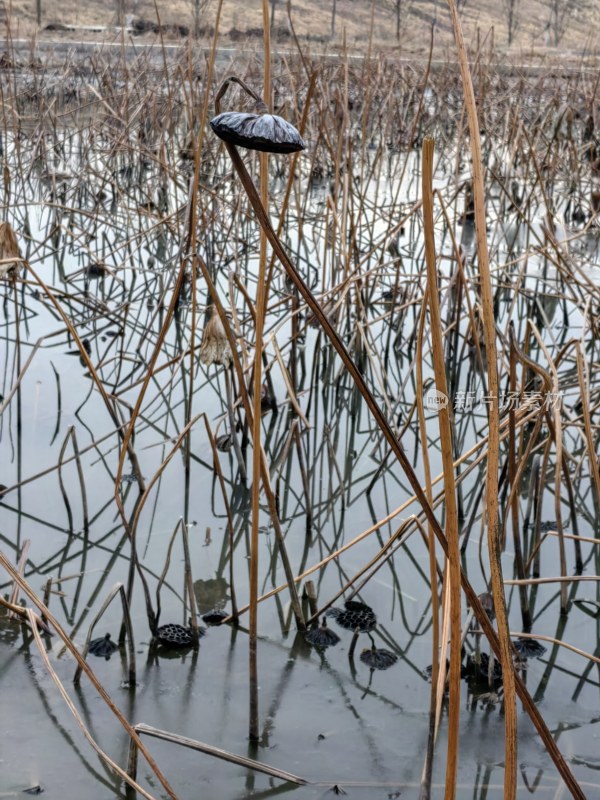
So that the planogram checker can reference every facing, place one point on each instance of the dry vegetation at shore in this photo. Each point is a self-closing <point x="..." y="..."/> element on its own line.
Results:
<point x="570" y="31"/>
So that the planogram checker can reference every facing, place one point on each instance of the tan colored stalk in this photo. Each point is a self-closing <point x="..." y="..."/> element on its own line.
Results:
<point x="584" y="383"/>
<point x="437" y="347"/>
<point x="435" y="701"/>
<point x="262" y="292"/>
<point x="217" y="752"/>
<point x="491" y="485"/>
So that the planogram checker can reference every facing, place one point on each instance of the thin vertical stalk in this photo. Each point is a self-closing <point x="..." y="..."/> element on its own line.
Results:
<point x="491" y="487"/>
<point x="448" y="469"/>
<point x="262" y="292"/>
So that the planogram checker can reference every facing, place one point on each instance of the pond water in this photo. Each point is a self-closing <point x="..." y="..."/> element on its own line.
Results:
<point x="104" y="230"/>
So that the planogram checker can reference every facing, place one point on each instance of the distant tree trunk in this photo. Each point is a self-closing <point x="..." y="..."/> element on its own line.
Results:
<point x="38" y="12"/>
<point x="561" y="12"/>
<point x="196" y="18"/>
<point x="272" y="22"/>
<point x="512" y="18"/>
<point x="398" y="14"/>
<point x="333" y="10"/>
<point x="120" y="12"/>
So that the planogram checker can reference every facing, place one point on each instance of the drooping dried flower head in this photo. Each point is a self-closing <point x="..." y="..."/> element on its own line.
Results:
<point x="215" y="347"/>
<point x="9" y="249"/>
<point x="259" y="131"/>
<point x="265" y="132"/>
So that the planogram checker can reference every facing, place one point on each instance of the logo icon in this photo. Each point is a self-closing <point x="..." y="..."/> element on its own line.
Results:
<point x="434" y="399"/>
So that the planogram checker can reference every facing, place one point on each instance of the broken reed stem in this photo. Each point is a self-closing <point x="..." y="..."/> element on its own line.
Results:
<point x="217" y="752"/>
<point x="446" y="448"/>
<point x="491" y="486"/>
<point x="434" y="707"/>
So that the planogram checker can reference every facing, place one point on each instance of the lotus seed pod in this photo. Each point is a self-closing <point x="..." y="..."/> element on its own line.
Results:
<point x="265" y="132"/>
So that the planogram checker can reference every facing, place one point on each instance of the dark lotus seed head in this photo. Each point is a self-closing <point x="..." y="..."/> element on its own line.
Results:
<point x="322" y="636"/>
<point x="171" y="635"/>
<point x="265" y="132"/>
<point x="354" y="616"/>
<point x="378" y="658"/>
<point x="529" y="648"/>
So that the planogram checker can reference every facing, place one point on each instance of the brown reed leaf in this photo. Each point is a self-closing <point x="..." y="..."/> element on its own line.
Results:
<point x="215" y="348"/>
<point x="10" y="253"/>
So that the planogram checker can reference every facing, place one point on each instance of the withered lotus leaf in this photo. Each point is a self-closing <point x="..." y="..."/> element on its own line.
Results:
<point x="265" y="132"/>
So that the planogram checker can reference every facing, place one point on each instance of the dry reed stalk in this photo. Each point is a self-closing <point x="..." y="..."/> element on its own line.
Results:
<point x="19" y="612"/>
<point x="434" y="706"/>
<point x="14" y="595"/>
<point x="116" y="589"/>
<point x="262" y="294"/>
<point x="446" y="447"/>
<point x="562" y="579"/>
<point x="491" y="490"/>
<point x="513" y="506"/>
<point x="230" y="524"/>
<point x="552" y="640"/>
<point x="217" y="752"/>
<point x="584" y="383"/>
<point x="5" y="563"/>
<point x="189" y="586"/>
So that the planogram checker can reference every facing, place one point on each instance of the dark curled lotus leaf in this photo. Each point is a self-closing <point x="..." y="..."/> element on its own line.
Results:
<point x="484" y="667"/>
<point x="102" y="647"/>
<point x="378" y="658"/>
<point x="172" y="635"/>
<point x="354" y="616"/>
<point x="265" y="132"/>
<point x="529" y="648"/>
<point x="224" y="442"/>
<point x="322" y="636"/>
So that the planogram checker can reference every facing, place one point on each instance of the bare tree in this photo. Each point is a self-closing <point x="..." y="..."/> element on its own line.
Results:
<point x="511" y="8"/>
<point x="401" y="10"/>
<point x="561" y="12"/>
<point x="199" y="7"/>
